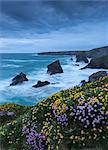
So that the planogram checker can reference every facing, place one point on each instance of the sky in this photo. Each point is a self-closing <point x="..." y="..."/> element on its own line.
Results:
<point x="31" y="26"/>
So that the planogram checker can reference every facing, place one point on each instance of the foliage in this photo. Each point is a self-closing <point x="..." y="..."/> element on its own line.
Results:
<point x="75" y="118"/>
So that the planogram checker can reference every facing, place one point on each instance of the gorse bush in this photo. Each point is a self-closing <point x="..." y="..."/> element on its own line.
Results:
<point x="75" y="118"/>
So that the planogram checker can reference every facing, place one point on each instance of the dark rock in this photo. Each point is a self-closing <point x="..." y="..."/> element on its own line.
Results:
<point x="83" y="82"/>
<point x="97" y="52"/>
<point x="54" y="68"/>
<point x="76" y="64"/>
<point x="41" y="83"/>
<point x="95" y="76"/>
<point x="19" y="79"/>
<point x="98" y="63"/>
<point x="71" y="59"/>
<point x="81" y="57"/>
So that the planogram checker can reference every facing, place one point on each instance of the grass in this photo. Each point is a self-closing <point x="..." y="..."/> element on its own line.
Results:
<point x="73" y="119"/>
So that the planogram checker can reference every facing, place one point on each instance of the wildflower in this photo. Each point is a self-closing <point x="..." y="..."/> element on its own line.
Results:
<point x="72" y="137"/>
<point x="1" y="113"/>
<point x="10" y="113"/>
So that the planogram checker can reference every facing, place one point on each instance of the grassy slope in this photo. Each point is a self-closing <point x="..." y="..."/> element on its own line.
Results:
<point x="56" y="122"/>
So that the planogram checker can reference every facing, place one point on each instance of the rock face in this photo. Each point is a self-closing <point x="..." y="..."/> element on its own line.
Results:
<point x="98" y="63"/>
<point x="95" y="76"/>
<point x="97" y="52"/>
<point x="83" y="82"/>
<point x="81" y="57"/>
<point x="41" y="83"/>
<point x="54" y="68"/>
<point x="19" y="79"/>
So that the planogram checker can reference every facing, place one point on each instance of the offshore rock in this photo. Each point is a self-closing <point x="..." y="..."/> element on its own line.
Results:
<point x="54" y="68"/>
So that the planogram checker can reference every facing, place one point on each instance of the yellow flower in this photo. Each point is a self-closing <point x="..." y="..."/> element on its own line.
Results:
<point x="82" y="132"/>
<point x="72" y="137"/>
<point x="57" y="102"/>
<point x="59" y="107"/>
<point x="76" y="137"/>
<point x="100" y="130"/>
<point x="103" y="107"/>
<point x="82" y="138"/>
<point x="10" y="142"/>
<point x="90" y="137"/>
<point x="94" y="129"/>
<point x="48" y="146"/>
<point x="56" y="147"/>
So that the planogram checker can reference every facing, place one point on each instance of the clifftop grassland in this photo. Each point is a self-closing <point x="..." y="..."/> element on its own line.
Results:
<point x="72" y="119"/>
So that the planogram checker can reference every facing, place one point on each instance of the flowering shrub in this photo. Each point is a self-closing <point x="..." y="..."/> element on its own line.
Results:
<point x="73" y="118"/>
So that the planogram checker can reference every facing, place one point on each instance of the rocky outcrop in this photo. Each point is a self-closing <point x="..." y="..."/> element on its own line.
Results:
<point x="81" y="58"/>
<point x="97" y="52"/>
<point x="18" y="79"/>
<point x="41" y="83"/>
<point x="98" y="63"/>
<point x="83" y="82"/>
<point x="62" y="53"/>
<point x="54" y="68"/>
<point x="95" y="76"/>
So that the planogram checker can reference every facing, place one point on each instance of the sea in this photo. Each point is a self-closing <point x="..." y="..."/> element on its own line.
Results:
<point x="35" y="68"/>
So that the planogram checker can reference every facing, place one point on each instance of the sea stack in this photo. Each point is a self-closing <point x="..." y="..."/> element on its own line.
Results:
<point x="81" y="57"/>
<point x="18" y="79"/>
<point x="41" y="83"/>
<point x="54" y="68"/>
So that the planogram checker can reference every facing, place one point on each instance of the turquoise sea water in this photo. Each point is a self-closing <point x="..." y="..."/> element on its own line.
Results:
<point x="35" y="67"/>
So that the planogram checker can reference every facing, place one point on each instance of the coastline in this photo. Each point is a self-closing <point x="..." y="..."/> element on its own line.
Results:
<point x="37" y="70"/>
<point x="57" y="121"/>
<point x="90" y="53"/>
<point x="73" y="118"/>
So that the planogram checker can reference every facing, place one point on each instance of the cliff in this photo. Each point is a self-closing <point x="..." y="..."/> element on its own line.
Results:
<point x="91" y="53"/>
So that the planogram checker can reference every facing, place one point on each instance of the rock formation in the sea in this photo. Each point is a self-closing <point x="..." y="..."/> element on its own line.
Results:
<point x="95" y="76"/>
<point x="98" y="63"/>
<point x="76" y="64"/>
<point x="18" y="79"/>
<point x="54" y="68"/>
<point x="81" y="58"/>
<point x="41" y="83"/>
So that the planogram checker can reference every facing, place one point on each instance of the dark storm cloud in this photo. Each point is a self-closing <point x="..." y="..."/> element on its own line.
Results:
<point x="55" y="24"/>
<point x="44" y="16"/>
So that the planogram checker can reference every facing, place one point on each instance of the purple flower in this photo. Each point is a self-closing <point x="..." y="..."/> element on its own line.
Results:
<point x="1" y="113"/>
<point x="25" y="130"/>
<point x="33" y="139"/>
<point x="62" y="119"/>
<point x="10" y="113"/>
<point x="52" y="147"/>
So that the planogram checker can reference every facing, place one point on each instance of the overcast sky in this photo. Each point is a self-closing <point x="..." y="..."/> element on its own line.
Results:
<point x="36" y="26"/>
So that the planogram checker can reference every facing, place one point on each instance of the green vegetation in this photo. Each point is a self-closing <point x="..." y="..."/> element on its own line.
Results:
<point x="69" y="120"/>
